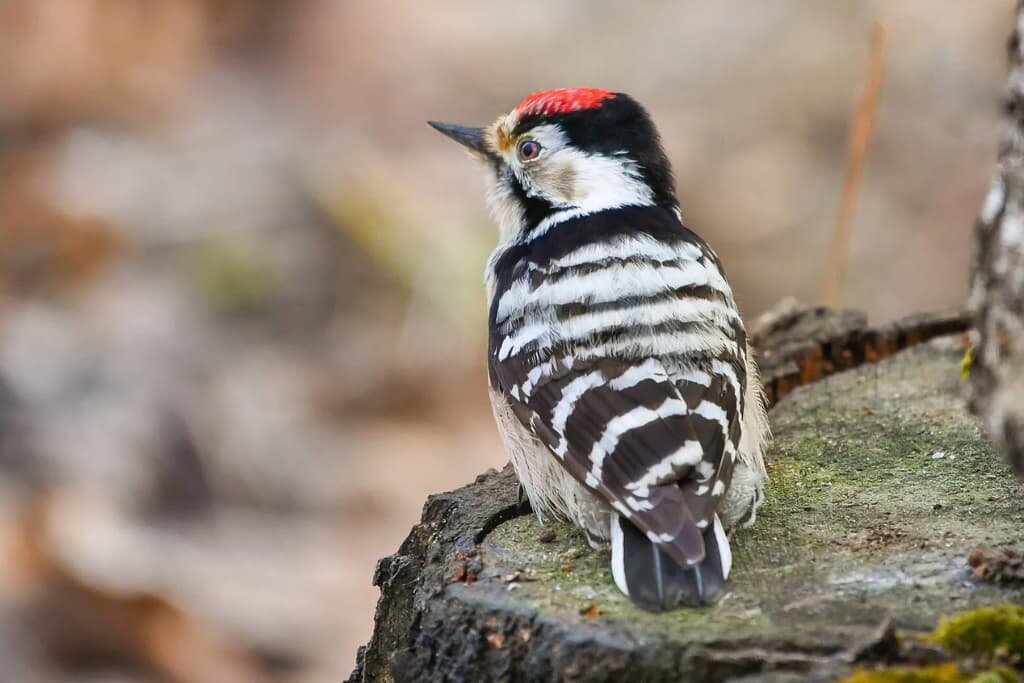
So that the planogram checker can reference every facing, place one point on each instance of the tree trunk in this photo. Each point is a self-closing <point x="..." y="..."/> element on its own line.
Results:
<point x="997" y="294"/>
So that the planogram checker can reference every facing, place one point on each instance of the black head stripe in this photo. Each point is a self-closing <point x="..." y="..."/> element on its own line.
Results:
<point x="535" y="209"/>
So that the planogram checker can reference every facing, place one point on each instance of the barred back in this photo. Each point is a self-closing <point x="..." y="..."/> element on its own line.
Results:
<point x="616" y="340"/>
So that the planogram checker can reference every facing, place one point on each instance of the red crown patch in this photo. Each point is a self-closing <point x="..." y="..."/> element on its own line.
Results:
<point x="562" y="100"/>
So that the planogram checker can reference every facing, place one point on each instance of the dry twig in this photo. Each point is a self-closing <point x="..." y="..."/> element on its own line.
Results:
<point x="856" y="151"/>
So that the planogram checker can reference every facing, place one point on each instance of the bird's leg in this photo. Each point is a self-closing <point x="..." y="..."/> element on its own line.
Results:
<point x="594" y="542"/>
<point x="522" y="500"/>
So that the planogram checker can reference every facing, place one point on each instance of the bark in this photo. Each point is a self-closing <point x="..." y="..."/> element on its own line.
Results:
<point x="997" y="294"/>
<point x="797" y="345"/>
<point x="880" y="487"/>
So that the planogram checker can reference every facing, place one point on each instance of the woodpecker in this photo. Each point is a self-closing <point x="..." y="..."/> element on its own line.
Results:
<point x="619" y="372"/>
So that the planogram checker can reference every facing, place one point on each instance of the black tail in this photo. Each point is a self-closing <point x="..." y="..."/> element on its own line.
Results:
<point x="655" y="581"/>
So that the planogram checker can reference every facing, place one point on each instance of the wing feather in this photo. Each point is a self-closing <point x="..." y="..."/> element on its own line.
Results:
<point x="619" y="346"/>
<point x="645" y="449"/>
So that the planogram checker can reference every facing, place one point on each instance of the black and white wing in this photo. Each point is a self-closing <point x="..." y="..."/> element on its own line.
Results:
<point x="625" y="356"/>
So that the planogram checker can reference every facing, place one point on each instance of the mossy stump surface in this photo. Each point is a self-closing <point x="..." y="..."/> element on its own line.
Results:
<point x="881" y="484"/>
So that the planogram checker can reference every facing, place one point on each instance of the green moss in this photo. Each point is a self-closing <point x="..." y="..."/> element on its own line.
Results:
<point x="984" y="631"/>
<point x="943" y="673"/>
<point x="998" y="675"/>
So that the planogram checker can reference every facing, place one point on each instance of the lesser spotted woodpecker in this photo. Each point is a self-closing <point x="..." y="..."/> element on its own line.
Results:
<point x="620" y="375"/>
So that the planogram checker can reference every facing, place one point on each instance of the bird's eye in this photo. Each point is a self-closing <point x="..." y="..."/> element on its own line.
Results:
<point x="529" y="150"/>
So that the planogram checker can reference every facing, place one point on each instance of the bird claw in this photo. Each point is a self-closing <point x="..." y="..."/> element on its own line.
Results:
<point x="522" y="500"/>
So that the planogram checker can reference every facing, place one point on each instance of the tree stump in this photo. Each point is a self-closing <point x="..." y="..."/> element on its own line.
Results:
<point x="880" y="485"/>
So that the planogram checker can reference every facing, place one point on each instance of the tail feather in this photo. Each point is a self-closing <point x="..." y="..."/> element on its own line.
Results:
<point x="655" y="581"/>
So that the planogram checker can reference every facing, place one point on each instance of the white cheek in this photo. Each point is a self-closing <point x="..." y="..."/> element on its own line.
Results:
<point x="609" y="182"/>
<point x="599" y="183"/>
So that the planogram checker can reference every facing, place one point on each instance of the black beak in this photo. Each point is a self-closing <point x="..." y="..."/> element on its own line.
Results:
<point x="471" y="138"/>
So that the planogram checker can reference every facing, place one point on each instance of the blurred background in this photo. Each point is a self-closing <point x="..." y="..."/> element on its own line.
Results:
<point x="241" y="309"/>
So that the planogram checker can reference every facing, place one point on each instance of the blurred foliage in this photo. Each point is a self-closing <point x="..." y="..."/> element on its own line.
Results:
<point x="389" y="230"/>
<point x="44" y="250"/>
<point x="233" y="278"/>
<point x="372" y="226"/>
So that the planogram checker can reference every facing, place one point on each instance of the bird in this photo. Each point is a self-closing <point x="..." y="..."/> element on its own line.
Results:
<point x="619" y="372"/>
